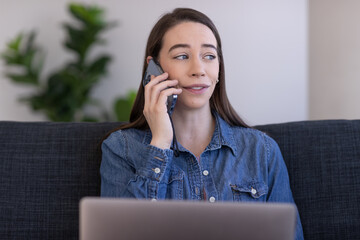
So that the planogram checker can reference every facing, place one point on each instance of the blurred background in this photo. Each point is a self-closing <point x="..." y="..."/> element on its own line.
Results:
<point x="285" y="60"/>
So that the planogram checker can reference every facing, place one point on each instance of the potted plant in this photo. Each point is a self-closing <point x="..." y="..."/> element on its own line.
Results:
<point x="63" y="95"/>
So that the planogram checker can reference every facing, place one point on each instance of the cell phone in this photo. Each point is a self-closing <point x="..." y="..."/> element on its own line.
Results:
<point x="155" y="69"/>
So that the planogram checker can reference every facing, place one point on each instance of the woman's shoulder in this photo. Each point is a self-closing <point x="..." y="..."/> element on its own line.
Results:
<point x="126" y="135"/>
<point x="256" y="143"/>
<point x="245" y="136"/>
<point x="250" y="131"/>
<point x="253" y="136"/>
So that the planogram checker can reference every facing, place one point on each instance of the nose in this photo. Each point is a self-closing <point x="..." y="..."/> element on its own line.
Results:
<point x="197" y="68"/>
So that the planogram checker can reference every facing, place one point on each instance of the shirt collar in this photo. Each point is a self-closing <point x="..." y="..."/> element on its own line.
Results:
<point x="223" y="136"/>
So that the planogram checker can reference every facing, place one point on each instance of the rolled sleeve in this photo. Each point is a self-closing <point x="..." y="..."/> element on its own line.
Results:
<point x="129" y="174"/>
<point x="157" y="160"/>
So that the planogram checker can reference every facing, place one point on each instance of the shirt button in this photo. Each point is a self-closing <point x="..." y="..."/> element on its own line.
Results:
<point x="157" y="170"/>
<point x="253" y="191"/>
<point x="212" y="199"/>
<point x="206" y="172"/>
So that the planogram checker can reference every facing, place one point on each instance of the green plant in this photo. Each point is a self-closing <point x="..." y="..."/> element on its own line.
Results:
<point x="65" y="93"/>
<point x="123" y="105"/>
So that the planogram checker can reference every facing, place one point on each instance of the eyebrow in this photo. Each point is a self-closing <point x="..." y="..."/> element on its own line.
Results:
<point x="182" y="45"/>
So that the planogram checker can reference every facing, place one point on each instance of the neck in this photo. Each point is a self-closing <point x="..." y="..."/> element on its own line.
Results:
<point x="194" y="129"/>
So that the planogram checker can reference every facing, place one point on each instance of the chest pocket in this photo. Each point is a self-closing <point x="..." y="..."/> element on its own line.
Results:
<point x="252" y="191"/>
<point x="171" y="186"/>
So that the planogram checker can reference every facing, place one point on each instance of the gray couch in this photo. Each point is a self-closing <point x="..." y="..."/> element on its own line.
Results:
<point x="46" y="168"/>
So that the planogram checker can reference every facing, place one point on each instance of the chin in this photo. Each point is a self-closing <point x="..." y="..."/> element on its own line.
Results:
<point x="194" y="105"/>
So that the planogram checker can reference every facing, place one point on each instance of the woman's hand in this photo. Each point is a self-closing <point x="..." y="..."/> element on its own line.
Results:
<point x="155" y="109"/>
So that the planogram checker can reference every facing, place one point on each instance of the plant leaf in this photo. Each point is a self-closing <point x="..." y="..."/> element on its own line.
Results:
<point x="26" y="79"/>
<point x="123" y="106"/>
<point x="16" y="42"/>
<point x="122" y="110"/>
<point x="99" y="65"/>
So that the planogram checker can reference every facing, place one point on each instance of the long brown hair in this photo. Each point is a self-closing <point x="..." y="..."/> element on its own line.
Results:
<point x="219" y="101"/>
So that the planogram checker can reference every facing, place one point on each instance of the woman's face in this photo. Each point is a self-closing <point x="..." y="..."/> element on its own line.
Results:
<point x="189" y="55"/>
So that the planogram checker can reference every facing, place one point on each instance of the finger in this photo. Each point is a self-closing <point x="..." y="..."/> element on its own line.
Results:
<point x="158" y="88"/>
<point x="163" y="96"/>
<point x="157" y="79"/>
<point x="154" y="80"/>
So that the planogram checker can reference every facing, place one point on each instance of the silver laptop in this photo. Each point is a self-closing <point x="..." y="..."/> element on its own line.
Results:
<point x="129" y="219"/>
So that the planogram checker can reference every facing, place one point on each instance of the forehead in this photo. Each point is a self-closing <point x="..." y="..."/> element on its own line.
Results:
<point x="191" y="33"/>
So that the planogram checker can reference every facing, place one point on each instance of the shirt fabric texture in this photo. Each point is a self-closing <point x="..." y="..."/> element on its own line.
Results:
<point x="239" y="164"/>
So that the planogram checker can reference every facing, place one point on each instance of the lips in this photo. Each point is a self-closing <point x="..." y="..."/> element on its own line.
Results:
<point x="197" y="89"/>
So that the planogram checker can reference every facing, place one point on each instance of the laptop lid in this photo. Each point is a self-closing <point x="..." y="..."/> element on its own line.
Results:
<point x="130" y="219"/>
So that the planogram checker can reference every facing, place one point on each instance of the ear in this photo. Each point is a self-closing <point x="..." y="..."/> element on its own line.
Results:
<point x="148" y="59"/>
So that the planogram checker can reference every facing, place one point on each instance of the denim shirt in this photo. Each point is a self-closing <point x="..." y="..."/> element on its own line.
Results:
<point x="239" y="164"/>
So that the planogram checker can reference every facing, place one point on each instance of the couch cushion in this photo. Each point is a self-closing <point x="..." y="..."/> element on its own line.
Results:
<point x="323" y="160"/>
<point x="45" y="168"/>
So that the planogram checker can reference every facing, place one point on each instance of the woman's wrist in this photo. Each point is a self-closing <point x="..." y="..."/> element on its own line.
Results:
<point x="160" y="144"/>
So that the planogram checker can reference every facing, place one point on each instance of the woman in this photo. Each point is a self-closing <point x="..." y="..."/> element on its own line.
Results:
<point x="219" y="157"/>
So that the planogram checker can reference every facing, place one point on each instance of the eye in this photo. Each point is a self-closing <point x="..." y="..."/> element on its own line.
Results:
<point x="210" y="57"/>
<point x="181" y="57"/>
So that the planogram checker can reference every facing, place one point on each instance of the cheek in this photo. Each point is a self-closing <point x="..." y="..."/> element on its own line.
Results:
<point x="214" y="74"/>
<point x="169" y="69"/>
<point x="174" y="73"/>
<point x="165" y="65"/>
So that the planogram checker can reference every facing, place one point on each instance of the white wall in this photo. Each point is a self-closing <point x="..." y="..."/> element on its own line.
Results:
<point x="334" y="70"/>
<point x="265" y="49"/>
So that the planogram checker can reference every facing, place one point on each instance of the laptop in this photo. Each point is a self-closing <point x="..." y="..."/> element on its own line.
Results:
<point x="131" y="219"/>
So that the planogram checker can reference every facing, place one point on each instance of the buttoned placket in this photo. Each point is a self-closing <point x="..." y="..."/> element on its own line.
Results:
<point x="194" y="176"/>
<point x="210" y="193"/>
